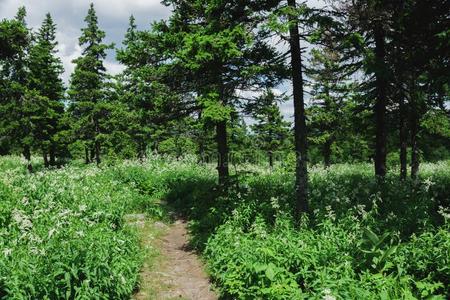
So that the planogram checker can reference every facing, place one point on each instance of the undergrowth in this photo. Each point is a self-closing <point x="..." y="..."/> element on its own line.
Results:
<point x="63" y="236"/>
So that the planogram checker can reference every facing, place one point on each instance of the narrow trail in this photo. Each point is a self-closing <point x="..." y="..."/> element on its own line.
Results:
<point x="177" y="272"/>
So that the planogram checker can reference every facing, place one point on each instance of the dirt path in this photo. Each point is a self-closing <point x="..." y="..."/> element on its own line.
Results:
<point x="178" y="273"/>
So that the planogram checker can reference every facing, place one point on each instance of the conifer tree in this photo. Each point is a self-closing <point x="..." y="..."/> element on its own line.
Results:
<point x="216" y="48"/>
<point x="45" y="71"/>
<point x="300" y="133"/>
<point x="271" y="129"/>
<point x="137" y="89"/>
<point x="17" y="127"/>
<point x="87" y="87"/>
<point x="329" y="90"/>
<point x="14" y="38"/>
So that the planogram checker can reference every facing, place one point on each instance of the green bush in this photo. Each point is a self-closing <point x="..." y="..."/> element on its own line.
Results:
<point x="62" y="235"/>
<point x="62" y="232"/>
<point x="364" y="240"/>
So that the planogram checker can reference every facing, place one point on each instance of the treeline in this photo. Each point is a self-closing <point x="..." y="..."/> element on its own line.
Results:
<point x="370" y="81"/>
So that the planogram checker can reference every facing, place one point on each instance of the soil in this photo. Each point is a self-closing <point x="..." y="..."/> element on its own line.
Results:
<point x="178" y="273"/>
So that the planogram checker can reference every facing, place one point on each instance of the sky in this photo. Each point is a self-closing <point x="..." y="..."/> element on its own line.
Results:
<point x="113" y="18"/>
<point x="69" y="17"/>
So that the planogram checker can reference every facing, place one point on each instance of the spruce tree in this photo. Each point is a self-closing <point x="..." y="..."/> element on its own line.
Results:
<point x="14" y="39"/>
<point x="136" y="87"/>
<point x="87" y="87"/>
<point x="330" y="89"/>
<point x="216" y="48"/>
<point x="300" y="131"/>
<point x="16" y="124"/>
<point x="45" y="71"/>
<point x="270" y="129"/>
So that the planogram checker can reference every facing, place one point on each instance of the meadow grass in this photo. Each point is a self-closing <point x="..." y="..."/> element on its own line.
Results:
<point x="63" y="234"/>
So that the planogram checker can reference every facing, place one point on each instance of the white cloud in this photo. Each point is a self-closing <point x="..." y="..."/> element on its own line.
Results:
<point x="114" y="68"/>
<point x="69" y="17"/>
<point x="67" y="60"/>
<point x="113" y="19"/>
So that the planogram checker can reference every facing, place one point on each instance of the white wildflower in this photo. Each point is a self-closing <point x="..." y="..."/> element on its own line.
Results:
<point x="428" y="183"/>
<point x="21" y="219"/>
<point x="7" y="252"/>
<point x="25" y="201"/>
<point x="330" y="213"/>
<point x="445" y="212"/>
<point x="327" y="295"/>
<point x="51" y="232"/>
<point x="274" y="202"/>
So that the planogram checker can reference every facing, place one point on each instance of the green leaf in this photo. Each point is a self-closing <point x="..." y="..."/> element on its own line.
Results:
<point x="270" y="272"/>
<point x="371" y="236"/>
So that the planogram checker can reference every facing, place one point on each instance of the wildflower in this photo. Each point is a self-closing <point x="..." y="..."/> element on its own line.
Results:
<point x="444" y="212"/>
<point x="428" y="183"/>
<point x="7" y="252"/>
<point x="274" y="203"/>
<point x="327" y="295"/>
<point x="21" y="220"/>
<point x="51" y="232"/>
<point x="330" y="213"/>
<point x="25" y="201"/>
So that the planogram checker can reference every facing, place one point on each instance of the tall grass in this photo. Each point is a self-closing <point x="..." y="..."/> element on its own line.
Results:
<point x="63" y="236"/>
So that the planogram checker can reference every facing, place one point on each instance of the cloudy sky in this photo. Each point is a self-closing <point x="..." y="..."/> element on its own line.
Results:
<point x="69" y="16"/>
<point x="113" y="19"/>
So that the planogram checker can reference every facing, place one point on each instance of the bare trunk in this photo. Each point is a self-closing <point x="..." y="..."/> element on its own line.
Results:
<point x="381" y="102"/>
<point x="142" y="149"/>
<point x="414" y="144"/>
<point x="92" y="153"/>
<point x="97" y="152"/>
<point x="86" y="155"/>
<point x="52" y="153"/>
<point x="270" y="153"/>
<point x="301" y="170"/>
<point x="326" y="151"/>
<point x="27" y="155"/>
<point x="403" y="139"/>
<point x="45" y="157"/>
<point x="97" y="142"/>
<point x="222" y="150"/>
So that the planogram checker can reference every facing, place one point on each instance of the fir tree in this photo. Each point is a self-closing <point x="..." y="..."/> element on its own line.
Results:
<point x="87" y="86"/>
<point x="216" y="48"/>
<point x="45" y="71"/>
<point x="17" y="128"/>
<point x="271" y="129"/>
<point x="329" y="90"/>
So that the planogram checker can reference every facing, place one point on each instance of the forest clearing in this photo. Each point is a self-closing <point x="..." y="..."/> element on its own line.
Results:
<point x="65" y="232"/>
<point x="215" y="149"/>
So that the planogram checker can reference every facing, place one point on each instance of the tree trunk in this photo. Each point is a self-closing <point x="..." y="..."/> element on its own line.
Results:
<point x="96" y="141"/>
<point x="326" y="151"/>
<point x="270" y="153"/>
<point x="45" y="157"/>
<point x="142" y="149"/>
<point x="414" y="144"/>
<point x="52" y="153"/>
<point x="222" y="148"/>
<point x="201" y="151"/>
<point x="301" y="170"/>
<point x="201" y="142"/>
<point x="403" y="138"/>
<point x="27" y="155"/>
<point x="92" y="153"/>
<point x="86" y="155"/>
<point x="381" y="102"/>
<point x="97" y="152"/>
